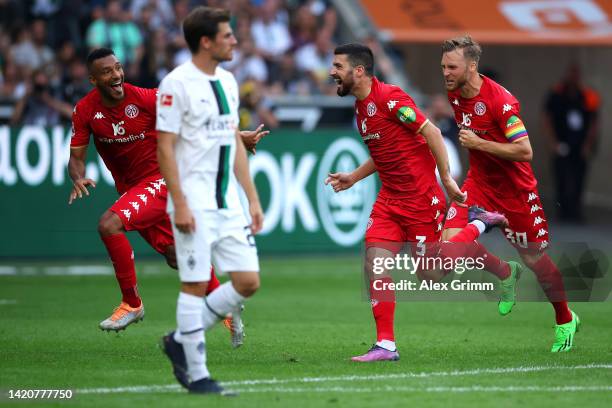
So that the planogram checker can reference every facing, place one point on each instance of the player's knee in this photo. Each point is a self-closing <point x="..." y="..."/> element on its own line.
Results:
<point x="170" y="254"/>
<point x="110" y="224"/>
<point x="194" y="288"/>
<point x="531" y="260"/>
<point x="247" y="285"/>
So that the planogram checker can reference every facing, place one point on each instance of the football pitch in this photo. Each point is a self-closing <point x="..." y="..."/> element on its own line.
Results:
<point x="308" y="319"/>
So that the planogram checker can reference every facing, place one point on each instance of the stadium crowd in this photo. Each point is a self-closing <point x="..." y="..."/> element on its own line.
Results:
<point x="285" y="46"/>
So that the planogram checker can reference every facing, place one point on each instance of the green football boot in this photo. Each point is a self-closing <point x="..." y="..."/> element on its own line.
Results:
<point x="508" y="289"/>
<point x="564" y="335"/>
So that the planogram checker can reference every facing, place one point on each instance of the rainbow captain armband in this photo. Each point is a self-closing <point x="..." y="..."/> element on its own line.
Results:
<point x="515" y="129"/>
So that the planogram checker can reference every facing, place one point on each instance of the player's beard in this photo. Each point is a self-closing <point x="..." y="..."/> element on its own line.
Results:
<point x="458" y="83"/>
<point x="346" y="85"/>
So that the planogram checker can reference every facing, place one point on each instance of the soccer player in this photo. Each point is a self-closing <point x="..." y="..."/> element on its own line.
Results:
<point x="203" y="159"/>
<point x="500" y="177"/>
<point x="405" y="148"/>
<point x="122" y="119"/>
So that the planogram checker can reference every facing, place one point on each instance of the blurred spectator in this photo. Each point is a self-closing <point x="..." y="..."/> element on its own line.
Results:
<point x="571" y="123"/>
<point x="441" y="114"/>
<point x="255" y="108"/>
<point x="157" y="61"/>
<point x="12" y="86"/>
<point x="246" y="64"/>
<point x="39" y="105"/>
<point x="271" y="35"/>
<point x="30" y="50"/>
<point x="116" y="31"/>
<point x="288" y="79"/>
<point x="315" y="60"/>
<point x="304" y="26"/>
<point x="76" y="84"/>
<point x="161" y="13"/>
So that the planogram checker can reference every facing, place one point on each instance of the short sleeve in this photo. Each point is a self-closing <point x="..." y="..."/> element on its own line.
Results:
<point x="80" y="129"/>
<point x="508" y="117"/>
<point x="400" y="107"/>
<point x="170" y="103"/>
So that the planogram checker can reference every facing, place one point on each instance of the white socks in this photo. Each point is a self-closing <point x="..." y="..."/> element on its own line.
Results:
<point x="219" y="303"/>
<point x="387" y="344"/>
<point x="190" y="334"/>
<point x="480" y="225"/>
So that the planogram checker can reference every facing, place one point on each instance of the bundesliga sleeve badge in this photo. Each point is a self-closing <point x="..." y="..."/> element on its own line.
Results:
<point x="166" y="100"/>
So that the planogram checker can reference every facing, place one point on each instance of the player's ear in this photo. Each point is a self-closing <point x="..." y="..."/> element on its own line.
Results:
<point x="92" y="80"/>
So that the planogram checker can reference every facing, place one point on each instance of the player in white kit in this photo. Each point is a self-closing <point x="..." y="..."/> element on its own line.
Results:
<point x="202" y="159"/>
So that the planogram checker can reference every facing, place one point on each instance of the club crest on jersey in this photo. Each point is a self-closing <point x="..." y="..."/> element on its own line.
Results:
<point x="166" y="100"/>
<point x="131" y="111"/>
<point x="480" y="108"/>
<point x="371" y="109"/>
<point x="452" y="212"/>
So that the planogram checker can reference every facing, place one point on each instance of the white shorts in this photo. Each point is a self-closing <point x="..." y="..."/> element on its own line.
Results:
<point x="221" y="238"/>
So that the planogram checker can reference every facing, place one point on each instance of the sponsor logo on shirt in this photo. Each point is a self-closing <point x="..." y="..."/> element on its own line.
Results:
<point x="467" y="119"/>
<point x="118" y="128"/>
<point x="371" y="109"/>
<point x="480" y="108"/>
<point x="166" y="100"/>
<point x="406" y="114"/>
<point x="131" y="111"/>
<point x="220" y="127"/>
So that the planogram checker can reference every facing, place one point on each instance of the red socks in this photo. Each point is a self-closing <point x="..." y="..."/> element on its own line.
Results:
<point x="468" y="247"/>
<point x="383" y="309"/>
<point x="122" y="256"/>
<point x="213" y="283"/>
<point x="552" y="283"/>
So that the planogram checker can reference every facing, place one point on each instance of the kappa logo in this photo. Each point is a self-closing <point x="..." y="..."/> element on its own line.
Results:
<point x="118" y="128"/>
<point x="131" y="111"/>
<point x="452" y="212"/>
<point x="158" y="184"/>
<point x="543" y="245"/>
<point x="437" y="214"/>
<point x="535" y="208"/>
<point x="370" y="222"/>
<point x="456" y="102"/>
<point x="480" y="108"/>
<point x="143" y="198"/>
<point x="538" y="220"/>
<point x="135" y="205"/>
<point x="507" y="108"/>
<point x="98" y="115"/>
<point x="542" y="232"/>
<point x="150" y="190"/>
<point x="127" y="214"/>
<point x="371" y="109"/>
<point x="391" y="105"/>
<point x="364" y="126"/>
<point x="435" y="200"/>
<point x="467" y="119"/>
<point x="532" y="196"/>
<point x="439" y="228"/>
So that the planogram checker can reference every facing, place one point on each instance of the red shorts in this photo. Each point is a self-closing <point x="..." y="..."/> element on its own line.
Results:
<point x="527" y="229"/>
<point x="143" y="208"/>
<point x="396" y="221"/>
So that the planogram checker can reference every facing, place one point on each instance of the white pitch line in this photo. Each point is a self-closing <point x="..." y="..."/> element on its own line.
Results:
<point x="8" y="301"/>
<point x="570" y="388"/>
<point x="348" y="378"/>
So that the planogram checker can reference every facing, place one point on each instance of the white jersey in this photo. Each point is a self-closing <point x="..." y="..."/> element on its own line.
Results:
<point x="203" y="111"/>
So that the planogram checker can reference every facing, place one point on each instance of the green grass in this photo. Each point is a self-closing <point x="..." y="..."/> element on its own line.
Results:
<point x="307" y="320"/>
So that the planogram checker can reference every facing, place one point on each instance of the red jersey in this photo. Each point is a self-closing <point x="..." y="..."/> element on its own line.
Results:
<point x="124" y="135"/>
<point x="390" y="123"/>
<point x="493" y="114"/>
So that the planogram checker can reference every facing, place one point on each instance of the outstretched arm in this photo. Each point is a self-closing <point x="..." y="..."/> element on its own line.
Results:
<point x="435" y="141"/>
<point x="344" y="181"/>
<point x="76" y="170"/>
